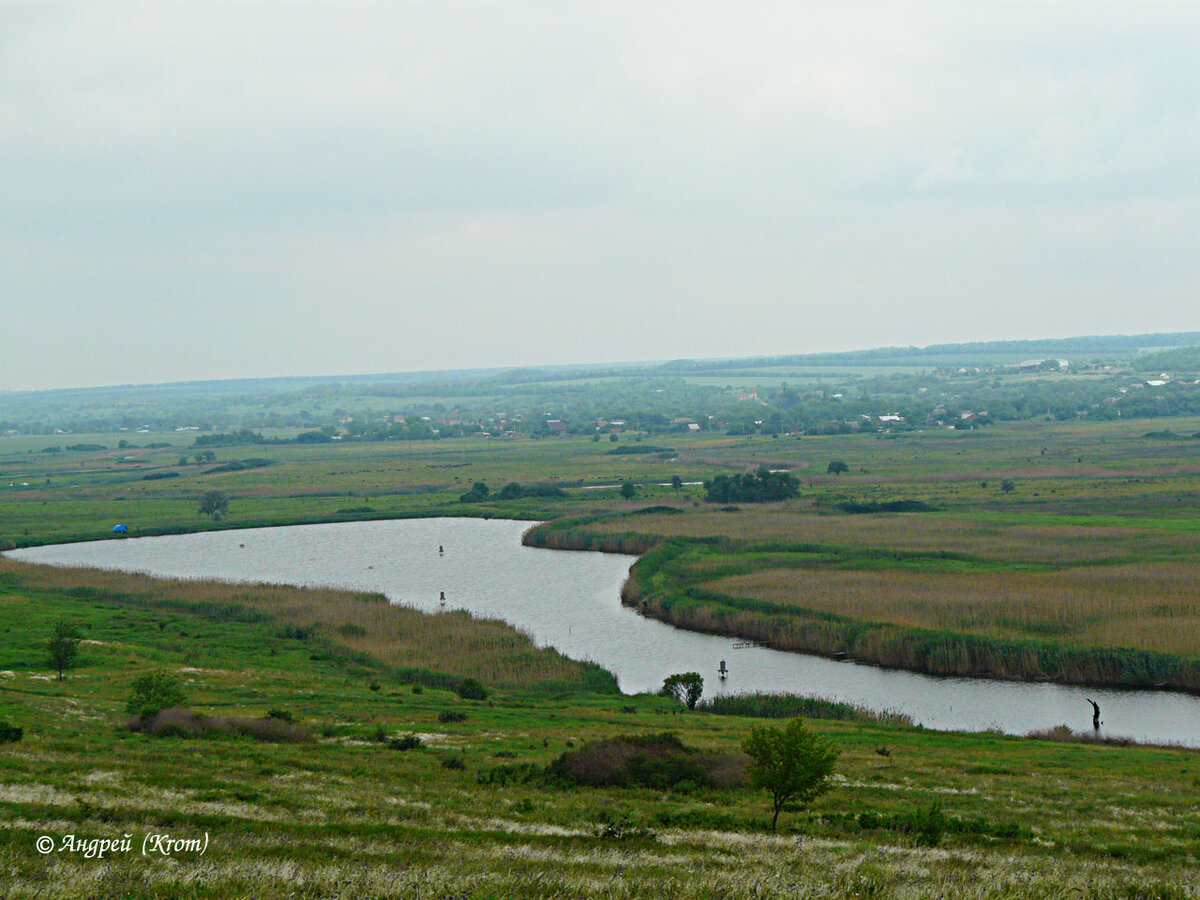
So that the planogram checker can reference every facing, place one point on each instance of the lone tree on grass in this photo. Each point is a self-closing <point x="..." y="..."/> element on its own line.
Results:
<point x="628" y="489"/>
<point x="837" y="467"/>
<point x="63" y="646"/>
<point x="215" y="504"/>
<point x="791" y="763"/>
<point x="686" y="687"/>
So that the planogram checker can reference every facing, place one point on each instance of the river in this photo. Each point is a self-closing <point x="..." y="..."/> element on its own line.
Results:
<point x="570" y="600"/>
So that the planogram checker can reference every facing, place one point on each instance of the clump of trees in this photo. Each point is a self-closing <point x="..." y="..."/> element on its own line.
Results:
<point x="511" y="491"/>
<point x="764" y="486"/>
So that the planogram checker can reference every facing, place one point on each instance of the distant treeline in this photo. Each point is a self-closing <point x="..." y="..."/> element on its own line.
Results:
<point x="511" y="491"/>
<point x="1183" y="359"/>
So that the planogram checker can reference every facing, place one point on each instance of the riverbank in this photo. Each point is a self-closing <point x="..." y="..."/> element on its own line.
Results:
<point x="673" y="582"/>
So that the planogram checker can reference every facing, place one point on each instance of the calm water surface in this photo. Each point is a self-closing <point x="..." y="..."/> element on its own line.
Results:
<point x="570" y="600"/>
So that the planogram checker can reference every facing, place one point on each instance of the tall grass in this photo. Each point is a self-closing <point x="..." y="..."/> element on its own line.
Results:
<point x="788" y="706"/>
<point x="1146" y="606"/>
<point x="438" y="649"/>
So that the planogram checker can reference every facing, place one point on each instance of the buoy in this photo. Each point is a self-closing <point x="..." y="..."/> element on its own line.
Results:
<point x="441" y="550"/>
<point x="722" y="670"/>
<point x="443" y="598"/>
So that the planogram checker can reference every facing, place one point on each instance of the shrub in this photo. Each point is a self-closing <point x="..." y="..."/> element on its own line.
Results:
<point x="478" y="493"/>
<point x="177" y="721"/>
<point x="470" y="689"/>
<point x="284" y="715"/>
<point x="659" y="761"/>
<point x="405" y="742"/>
<point x="932" y="825"/>
<point x="451" y="715"/>
<point x="10" y="733"/>
<point x="633" y="450"/>
<point x="621" y="827"/>
<point x="153" y="693"/>
<point x="515" y="773"/>
<point x="453" y="762"/>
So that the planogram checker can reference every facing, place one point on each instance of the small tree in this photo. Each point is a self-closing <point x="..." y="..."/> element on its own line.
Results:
<point x="628" y="489"/>
<point x="63" y="646"/>
<point x="215" y="504"/>
<point x="1007" y="486"/>
<point x="686" y="687"/>
<point x="477" y="494"/>
<point x="791" y="763"/>
<point x="676" y="482"/>
<point x="153" y="693"/>
<point x="837" y="467"/>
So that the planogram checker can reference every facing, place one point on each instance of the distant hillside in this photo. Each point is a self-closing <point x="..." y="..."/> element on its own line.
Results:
<point x="1183" y="359"/>
<point x="1078" y="349"/>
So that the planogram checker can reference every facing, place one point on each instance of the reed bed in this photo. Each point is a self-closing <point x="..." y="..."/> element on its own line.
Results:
<point x="1146" y="606"/>
<point x="795" y="522"/>
<point x="788" y="706"/>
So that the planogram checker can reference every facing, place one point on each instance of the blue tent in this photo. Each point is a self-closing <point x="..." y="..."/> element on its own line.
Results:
<point x="120" y="529"/>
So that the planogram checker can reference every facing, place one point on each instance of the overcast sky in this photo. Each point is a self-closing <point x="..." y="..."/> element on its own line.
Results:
<point x="204" y="190"/>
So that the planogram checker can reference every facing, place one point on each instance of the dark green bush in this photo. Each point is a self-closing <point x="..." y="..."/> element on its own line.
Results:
<point x="153" y="693"/>
<point x="470" y="689"/>
<point x="10" y="733"/>
<point x="405" y="742"/>
<point x="659" y="761"/>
